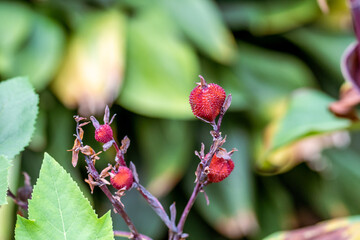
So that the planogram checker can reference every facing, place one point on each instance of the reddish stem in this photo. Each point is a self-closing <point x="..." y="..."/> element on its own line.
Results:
<point x="129" y="235"/>
<point x="21" y="204"/>
<point x="187" y="208"/>
<point x="116" y="204"/>
<point x="119" y="154"/>
<point x="202" y="178"/>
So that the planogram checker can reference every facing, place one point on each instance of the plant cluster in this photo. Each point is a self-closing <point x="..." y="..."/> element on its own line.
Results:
<point x="207" y="101"/>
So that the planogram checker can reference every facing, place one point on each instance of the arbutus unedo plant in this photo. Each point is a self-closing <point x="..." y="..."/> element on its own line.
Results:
<point x="208" y="102"/>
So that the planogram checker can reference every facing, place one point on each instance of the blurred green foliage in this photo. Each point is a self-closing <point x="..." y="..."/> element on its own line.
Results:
<point x="280" y="61"/>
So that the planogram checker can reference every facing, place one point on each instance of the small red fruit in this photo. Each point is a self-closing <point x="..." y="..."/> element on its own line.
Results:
<point x="103" y="133"/>
<point x="220" y="167"/>
<point x="206" y="100"/>
<point x="123" y="179"/>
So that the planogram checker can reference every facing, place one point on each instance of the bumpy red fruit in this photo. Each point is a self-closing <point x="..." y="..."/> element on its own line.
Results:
<point x="206" y="100"/>
<point x="220" y="167"/>
<point x="123" y="179"/>
<point x="103" y="133"/>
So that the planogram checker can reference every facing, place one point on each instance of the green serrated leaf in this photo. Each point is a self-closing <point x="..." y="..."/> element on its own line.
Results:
<point x="300" y="120"/>
<point x="59" y="210"/>
<point x="202" y="22"/>
<point x="5" y="164"/>
<point x="18" y="111"/>
<point x="162" y="68"/>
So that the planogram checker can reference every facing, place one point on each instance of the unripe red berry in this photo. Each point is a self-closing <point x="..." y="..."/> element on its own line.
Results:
<point x="122" y="179"/>
<point x="220" y="167"/>
<point x="103" y="133"/>
<point x="206" y="100"/>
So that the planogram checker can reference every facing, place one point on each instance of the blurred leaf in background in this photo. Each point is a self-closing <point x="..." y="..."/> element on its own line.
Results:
<point x="282" y="148"/>
<point x="34" y="46"/>
<point x="162" y="67"/>
<point x="346" y="228"/>
<point x="165" y="157"/>
<point x="93" y="68"/>
<point x="268" y="77"/>
<point x="203" y="25"/>
<point x="269" y="17"/>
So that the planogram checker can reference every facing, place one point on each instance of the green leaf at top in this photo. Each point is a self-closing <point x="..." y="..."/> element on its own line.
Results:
<point x="307" y="114"/>
<point x="18" y="111"/>
<point x="268" y="76"/>
<point x="201" y="21"/>
<point x="325" y="47"/>
<point x="15" y="21"/>
<point x="269" y="17"/>
<point x="41" y="53"/>
<point x="162" y="68"/>
<point x="5" y="164"/>
<point x="58" y="210"/>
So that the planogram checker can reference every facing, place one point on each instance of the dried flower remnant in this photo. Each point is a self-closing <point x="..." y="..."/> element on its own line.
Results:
<point x="76" y="148"/>
<point x="345" y="107"/>
<point x="98" y="180"/>
<point x="23" y="194"/>
<point x="206" y="100"/>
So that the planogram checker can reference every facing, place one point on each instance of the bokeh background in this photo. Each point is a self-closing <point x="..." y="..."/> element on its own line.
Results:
<point x="296" y="165"/>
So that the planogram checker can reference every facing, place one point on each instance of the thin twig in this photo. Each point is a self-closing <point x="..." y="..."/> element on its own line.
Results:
<point x="119" y="154"/>
<point x="201" y="175"/>
<point x="115" y="202"/>
<point x="201" y="181"/>
<point x="129" y="235"/>
<point x="188" y="206"/>
<point x="157" y="207"/>
<point x="21" y="204"/>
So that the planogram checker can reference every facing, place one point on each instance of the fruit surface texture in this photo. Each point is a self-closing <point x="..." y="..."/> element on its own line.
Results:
<point x="206" y="100"/>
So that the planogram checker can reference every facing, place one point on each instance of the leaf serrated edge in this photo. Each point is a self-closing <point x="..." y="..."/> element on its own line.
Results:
<point x="51" y="160"/>
<point x="9" y="165"/>
<point x="26" y="81"/>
